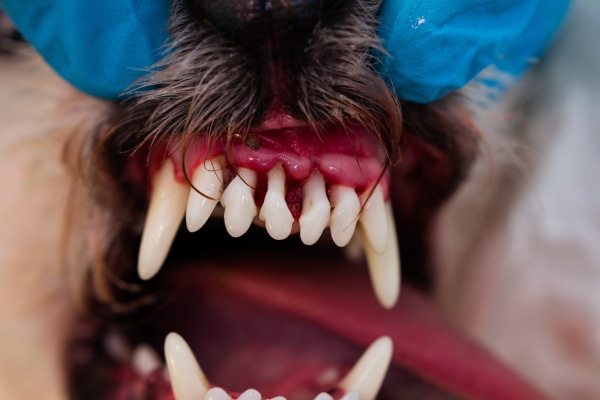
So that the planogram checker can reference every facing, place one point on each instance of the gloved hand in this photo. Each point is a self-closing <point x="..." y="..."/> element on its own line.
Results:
<point x="99" y="46"/>
<point x="434" y="46"/>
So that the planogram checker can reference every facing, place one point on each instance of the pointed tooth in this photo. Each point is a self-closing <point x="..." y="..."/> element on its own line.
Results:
<point x="346" y="207"/>
<point x="351" y="396"/>
<point x="187" y="379"/>
<point x="372" y="220"/>
<point x="323" y="396"/>
<point x="216" y="394"/>
<point x="145" y="360"/>
<point x="250" y="394"/>
<point x="238" y="201"/>
<point x="274" y="211"/>
<point x="167" y="207"/>
<point x="384" y="267"/>
<point x="367" y="375"/>
<point x="315" y="210"/>
<point x="208" y="179"/>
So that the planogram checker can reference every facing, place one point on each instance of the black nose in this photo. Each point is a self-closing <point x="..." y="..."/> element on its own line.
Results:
<point x="273" y="29"/>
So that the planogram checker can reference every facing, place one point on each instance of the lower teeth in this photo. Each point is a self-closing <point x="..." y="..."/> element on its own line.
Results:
<point x="189" y="382"/>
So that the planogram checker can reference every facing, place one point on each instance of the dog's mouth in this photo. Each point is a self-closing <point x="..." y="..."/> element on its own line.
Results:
<point x="287" y="305"/>
<point x="296" y="294"/>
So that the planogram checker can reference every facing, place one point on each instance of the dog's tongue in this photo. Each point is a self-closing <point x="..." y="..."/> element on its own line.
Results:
<point x="338" y="298"/>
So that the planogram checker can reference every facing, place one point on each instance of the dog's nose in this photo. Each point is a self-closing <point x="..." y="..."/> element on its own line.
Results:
<point x="273" y="29"/>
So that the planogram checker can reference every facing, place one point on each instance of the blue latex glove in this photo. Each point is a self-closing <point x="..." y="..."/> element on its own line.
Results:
<point x="435" y="46"/>
<point x="99" y="46"/>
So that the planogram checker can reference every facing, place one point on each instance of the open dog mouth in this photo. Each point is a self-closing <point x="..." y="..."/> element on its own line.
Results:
<point x="300" y="178"/>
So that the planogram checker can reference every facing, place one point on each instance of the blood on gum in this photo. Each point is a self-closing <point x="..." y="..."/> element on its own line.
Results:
<point x="355" y="163"/>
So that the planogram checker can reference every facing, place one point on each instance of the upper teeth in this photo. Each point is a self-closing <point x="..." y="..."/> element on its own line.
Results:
<point x="238" y="200"/>
<point x="341" y="212"/>
<point x="315" y="210"/>
<point x="167" y="207"/>
<point x="189" y="383"/>
<point x="208" y="180"/>
<point x="275" y="212"/>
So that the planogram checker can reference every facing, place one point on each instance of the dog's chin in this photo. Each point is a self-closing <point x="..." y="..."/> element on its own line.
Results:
<point x="282" y="317"/>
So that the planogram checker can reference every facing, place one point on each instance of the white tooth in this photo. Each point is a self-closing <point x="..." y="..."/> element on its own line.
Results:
<point x="145" y="360"/>
<point x="346" y="207"/>
<point x="367" y="375"/>
<point x="187" y="379"/>
<point x="216" y="394"/>
<point x="279" y="398"/>
<point x="315" y="209"/>
<point x="384" y="267"/>
<point x="238" y="201"/>
<point x="167" y="207"/>
<point x="250" y="394"/>
<point x="208" y="179"/>
<point x="324" y="396"/>
<point x="373" y="218"/>
<point x="274" y="211"/>
<point x="351" y="396"/>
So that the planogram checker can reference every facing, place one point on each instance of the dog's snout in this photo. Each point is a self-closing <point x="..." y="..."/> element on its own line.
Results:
<point x="272" y="29"/>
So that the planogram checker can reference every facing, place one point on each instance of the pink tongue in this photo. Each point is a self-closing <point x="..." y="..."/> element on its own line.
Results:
<point x="342" y="301"/>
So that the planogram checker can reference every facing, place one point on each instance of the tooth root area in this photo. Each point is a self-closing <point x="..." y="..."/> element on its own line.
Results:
<point x="384" y="267"/>
<point x="344" y="216"/>
<point x="366" y="377"/>
<point x="208" y="180"/>
<point x="238" y="201"/>
<point x="165" y="213"/>
<point x="315" y="210"/>
<point x="275" y="212"/>
<point x="187" y="379"/>
<point x="373" y="220"/>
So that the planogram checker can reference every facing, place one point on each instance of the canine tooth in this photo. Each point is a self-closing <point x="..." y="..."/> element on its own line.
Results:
<point x="250" y="394"/>
<point x="209" y="182"/>
<point x="187" y="379"/>
<point x="315" y="210"/>
<point x="216" y="394"/>
<point x="384" y="267"/>
<point x="145" y="360"/>
<point x="372" y="221"/>
<point x="351" y="396"/>
<point x="346" y="207"/>
<point x="367" y="375"/>
<point x="238" y="201"/>
<point x="274" y="211"/>
<point x="323" y="396"/>
<point x="167" y="207"/>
